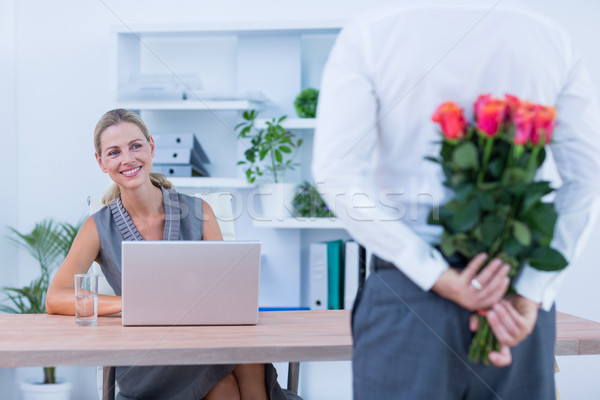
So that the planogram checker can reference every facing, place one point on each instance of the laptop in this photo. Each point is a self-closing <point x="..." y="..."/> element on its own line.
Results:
<point x="190" y="282"/>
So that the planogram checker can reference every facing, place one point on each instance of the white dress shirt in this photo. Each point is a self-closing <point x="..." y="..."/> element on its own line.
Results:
<point x="386" y="75"/>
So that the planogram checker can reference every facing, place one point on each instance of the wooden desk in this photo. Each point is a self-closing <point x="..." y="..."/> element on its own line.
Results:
<point x="576" y="336"/>
<point x="33" y="340"/>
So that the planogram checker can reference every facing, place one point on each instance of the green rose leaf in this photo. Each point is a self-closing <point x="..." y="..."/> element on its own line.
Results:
<point x="522" y="233"/>
<point x="447" y="246"/>
<point x="487" y="202"/>
<point x="491" y="228"/>
<point x="466" y="156"/>
<point x="542" y="218"/>
<point x="547" y="259"/>
<point x="464" y="192"/>
<point x="466" y="216"/>
<point x="514" y="175"/>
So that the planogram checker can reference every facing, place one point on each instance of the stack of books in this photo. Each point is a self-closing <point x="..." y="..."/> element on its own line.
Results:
<point x="335" y="272"/>
<point x="179" y="155"/>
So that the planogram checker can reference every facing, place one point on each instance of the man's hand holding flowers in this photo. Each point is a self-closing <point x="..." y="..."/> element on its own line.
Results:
<point x="497" y="209"/>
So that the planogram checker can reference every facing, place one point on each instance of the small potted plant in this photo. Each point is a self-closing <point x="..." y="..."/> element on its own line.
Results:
<point x="308" y="203"/>
<point x="306" y="103"/>
<point x="48" y="243"/>
<point x="269" y="156"/>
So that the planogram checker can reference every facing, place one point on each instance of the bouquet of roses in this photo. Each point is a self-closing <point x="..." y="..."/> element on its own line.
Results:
<point x="497" y="206"/>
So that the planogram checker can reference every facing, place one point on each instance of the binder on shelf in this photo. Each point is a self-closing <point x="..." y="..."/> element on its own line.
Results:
<point x="180" y="170"/>
<point x="175" y="155"/>
<point x="174" y="140"/>
<point x="317" y="276"/>
<point x="355" y="268"/>
<point x="335" y="275"/>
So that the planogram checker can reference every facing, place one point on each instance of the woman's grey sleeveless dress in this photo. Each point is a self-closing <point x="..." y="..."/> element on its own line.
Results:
<point x="183" y="221"/>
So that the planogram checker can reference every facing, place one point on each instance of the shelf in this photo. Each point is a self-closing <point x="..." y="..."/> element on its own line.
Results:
<point x="208" y="105"/>
<point x="209" y="182"/>
<point x="298" y="223"/>
<point x="290" y="123"/>
<point x="312" y="26"/>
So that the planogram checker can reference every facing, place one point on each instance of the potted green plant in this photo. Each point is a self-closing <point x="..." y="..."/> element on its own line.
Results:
<point x="308" y="202"/>
<point x="269" y="156"/>
<point x="48" y="243"/>
<point x="306" y="103"/>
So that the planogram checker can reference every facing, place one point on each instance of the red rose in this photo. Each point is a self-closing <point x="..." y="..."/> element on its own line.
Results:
<point x="512" y="104"/>
<point x="523" y="119"/>
<point x="543" y="124"/>
<point x="451" y="119"/>
<point x="490" y="116"/>
<point x="482" y="100"/>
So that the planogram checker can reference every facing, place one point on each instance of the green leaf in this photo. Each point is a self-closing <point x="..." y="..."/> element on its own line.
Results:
<point x="464" y="246"/>
<point x="486" y="201"/>
<point x="250" y="156"/>
<point x="547" y="259"/>
<point x="263" y="153"/>
<point x="512" y="247"/>
<point x="447" y="246"/>
<point x="542" y="218"/>
<point x="495" y="167"/>
<point x="521" y="232"/>
<point x="433" y="159"/>
<point x="514" y="175"/>
<point x="466" y="156"/>
<point x="278" y="156"/>
<point x="466" y="216"/>
<point x="464" y="192"/>
<point x="492" y="228"/>
<point x="285" y="149"/>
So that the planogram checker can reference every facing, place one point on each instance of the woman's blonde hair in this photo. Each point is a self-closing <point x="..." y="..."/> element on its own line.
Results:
<point x="115" y="117"/>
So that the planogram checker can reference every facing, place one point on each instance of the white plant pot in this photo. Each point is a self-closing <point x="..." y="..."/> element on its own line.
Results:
<point x="276" y="199"/>
<point x="32" y="390"/>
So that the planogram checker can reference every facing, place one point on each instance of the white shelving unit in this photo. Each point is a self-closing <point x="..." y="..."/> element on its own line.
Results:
<point x="296" y="124"/>
<point x="277" y="59"/>
<point x="193" y="105"/>
<point x="210" y="182"/>
<point x="299" y="223"/>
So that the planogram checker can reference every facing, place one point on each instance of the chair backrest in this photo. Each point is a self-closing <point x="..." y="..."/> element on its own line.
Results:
<point x="221" y="204"/>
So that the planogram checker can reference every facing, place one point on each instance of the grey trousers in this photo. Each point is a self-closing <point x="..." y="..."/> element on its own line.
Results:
<point x="410" y="344"/>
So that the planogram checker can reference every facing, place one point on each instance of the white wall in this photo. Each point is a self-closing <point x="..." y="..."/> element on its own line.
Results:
<point x="8" y="160"/>
<point x="61" y="51"/>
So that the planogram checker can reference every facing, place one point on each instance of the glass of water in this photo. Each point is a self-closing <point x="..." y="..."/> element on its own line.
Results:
<point x="86" y="299"/>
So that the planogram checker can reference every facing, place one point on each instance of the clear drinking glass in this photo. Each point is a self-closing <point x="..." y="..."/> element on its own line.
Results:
<point x="86" y="299"/>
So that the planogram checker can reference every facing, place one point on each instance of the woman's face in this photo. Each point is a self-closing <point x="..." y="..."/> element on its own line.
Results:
<point x="126" y="155"/>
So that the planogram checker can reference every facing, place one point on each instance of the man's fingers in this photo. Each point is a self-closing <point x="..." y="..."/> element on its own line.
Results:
<point x="501" y="358"/>
<point x="503" y="327"/>
<point x="474" y="266"/>
<point x="493" y="292"/>
<point x="494" y="269"/>
<point x="473" y="322"/>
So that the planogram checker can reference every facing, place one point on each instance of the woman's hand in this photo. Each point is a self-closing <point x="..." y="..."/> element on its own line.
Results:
<point x="473" y="290"/>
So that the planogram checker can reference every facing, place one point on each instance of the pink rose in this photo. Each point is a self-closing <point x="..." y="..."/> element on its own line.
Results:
<point x="490" y="116"/>
<point x="543" y="124"/>
<point x="523" y="120"/>
<point x="451" y="120"/>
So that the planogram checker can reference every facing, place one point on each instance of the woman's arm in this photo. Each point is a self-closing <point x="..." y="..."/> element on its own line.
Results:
<point x="60" y="298"/>
<point x="211" y="226"/>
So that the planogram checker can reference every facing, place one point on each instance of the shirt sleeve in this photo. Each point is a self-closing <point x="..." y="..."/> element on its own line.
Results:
<point x="344" y="143"/>
<point x="576" y="150"/>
